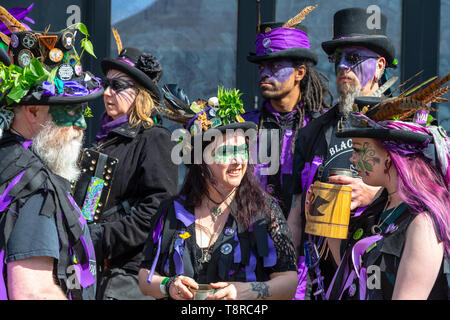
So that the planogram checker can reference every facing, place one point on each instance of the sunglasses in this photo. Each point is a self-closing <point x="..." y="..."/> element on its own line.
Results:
<point x="117" y="84"/>
<point x="353" y="58"/>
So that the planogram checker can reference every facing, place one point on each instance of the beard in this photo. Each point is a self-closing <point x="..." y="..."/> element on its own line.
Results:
<point x="347" y="93"/>
<point x="59" y="149"/>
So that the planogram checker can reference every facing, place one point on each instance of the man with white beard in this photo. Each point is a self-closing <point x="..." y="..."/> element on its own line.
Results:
<point x="45" y="249"/>
<point x="360" y="56"/>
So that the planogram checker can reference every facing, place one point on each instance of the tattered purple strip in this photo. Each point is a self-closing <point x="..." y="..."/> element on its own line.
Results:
<point x="178" y="258"/>
<point x="155" y="261"/>
<point x="302" y="272"/>
<point x="18" y="14"/>
<point x="250" y="269"/>
<point x="309" y="172"/>
<point x="83" y="272"/>
<point x="183" y="215"/>
<point x="158" y="230"/>
<point x="237" y="250"/>
<point x="5" y="199"/>
<point x="357" y="252"/>
<point x="81" y="218"/>
<point x="287" y="158"/>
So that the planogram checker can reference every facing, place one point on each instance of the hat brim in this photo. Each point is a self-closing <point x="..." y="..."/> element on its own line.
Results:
<point x="4" y="57"/>
<point x="380" y="44"/>
<point x="133" y="72"/>
<point x="52" y="100"/>
<point x="385" y="135"/>
<point x="293" y="53"/>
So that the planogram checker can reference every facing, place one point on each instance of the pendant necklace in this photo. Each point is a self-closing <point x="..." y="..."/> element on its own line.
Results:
<point x="217" y="211"/>
<point x="376" y="229"/>
<point x="206" y="252"/>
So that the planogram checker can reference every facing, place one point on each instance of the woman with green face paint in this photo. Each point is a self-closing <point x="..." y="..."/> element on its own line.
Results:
<point x="222" y="229"/>
<point x="131" y="132"/>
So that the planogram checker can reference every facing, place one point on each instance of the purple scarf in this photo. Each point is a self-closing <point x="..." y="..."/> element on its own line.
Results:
<point x="108" y="124"/>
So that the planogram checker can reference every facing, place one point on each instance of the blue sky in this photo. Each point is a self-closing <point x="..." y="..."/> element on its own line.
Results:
<point x="119" y="11"/>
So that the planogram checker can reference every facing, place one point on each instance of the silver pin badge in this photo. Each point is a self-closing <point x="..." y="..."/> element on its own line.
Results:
<point x="226" y="248"/>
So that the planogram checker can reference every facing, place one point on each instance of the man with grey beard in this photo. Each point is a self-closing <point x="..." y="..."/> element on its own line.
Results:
<point x="360" y="63"/>
<point x="46" y="251"/>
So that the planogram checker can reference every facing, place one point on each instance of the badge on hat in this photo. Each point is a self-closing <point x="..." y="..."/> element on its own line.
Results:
<point x="56" y="55"/>
<point x="25" y="57"/>
<point x="29" y="41"/>
<point x="14" y="41"/>
<point x="49" y="41"/>
<point x="67" y="40"/>
<point x="65" y="72"/>
<point x="266" y="43"/>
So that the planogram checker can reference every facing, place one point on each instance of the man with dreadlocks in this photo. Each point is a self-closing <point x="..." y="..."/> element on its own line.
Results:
<point x="360" y="63"/>
<point x="293" y="93"/>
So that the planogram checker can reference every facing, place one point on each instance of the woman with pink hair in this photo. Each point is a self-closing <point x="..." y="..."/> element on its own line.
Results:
<point x="401" y="252"/>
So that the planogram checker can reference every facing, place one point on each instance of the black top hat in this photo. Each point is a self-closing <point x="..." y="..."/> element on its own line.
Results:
<point x="142" y="67"/>
<point x="299" y="49"/>
<point x="4" y="57"/>
<point x="353" y="27"/>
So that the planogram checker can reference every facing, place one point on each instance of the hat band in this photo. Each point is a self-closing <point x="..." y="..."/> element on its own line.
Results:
<point x="126" y="61"/>
<point x="280" y="39"/>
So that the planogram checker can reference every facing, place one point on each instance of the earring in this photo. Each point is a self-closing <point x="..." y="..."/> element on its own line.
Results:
<point x="387" y="165"/>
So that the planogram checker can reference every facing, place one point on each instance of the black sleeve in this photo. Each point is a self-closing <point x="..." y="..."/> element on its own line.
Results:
<point x="299" y="163"/>
<point x="158" y="180"/>
<point x="34" y="234"/>
<point x="282" y="239"/>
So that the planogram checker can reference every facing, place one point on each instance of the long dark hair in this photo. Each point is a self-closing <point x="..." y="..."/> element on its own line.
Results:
<point x="250" y="197"/>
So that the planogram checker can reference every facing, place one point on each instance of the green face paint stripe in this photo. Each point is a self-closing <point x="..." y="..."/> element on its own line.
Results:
<point x="225" y="152"/>
<point x="67" y="116"/>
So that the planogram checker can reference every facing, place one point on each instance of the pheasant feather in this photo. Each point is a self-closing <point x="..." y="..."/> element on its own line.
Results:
<point x="300" y="17"/>
<point x="118" y="40"/>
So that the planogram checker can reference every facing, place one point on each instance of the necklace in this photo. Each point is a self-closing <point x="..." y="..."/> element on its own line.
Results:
<point x="206" y="252"/>
<point x="216" y="211"/>
<point x="376" y="229"/>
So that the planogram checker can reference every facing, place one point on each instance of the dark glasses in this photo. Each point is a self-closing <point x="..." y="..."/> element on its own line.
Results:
<point x="353" y="58"/>
<point x="117" y="84"/>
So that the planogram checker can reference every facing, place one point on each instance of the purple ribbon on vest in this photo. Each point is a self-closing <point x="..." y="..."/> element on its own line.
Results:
<point x="83" y="272"/>
<point x="281" y="39"/>
<point x="358" y="250"/>
<point x="309" y="172"/>
<point x="156" y="238"/>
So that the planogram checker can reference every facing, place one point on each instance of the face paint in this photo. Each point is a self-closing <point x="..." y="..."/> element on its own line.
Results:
<point x="226" y="153"/>
<point x="364" y="158"/>
<point x="67" y="116"/>
<point x="275" y="71"/>
<point x="363" y="63"/>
